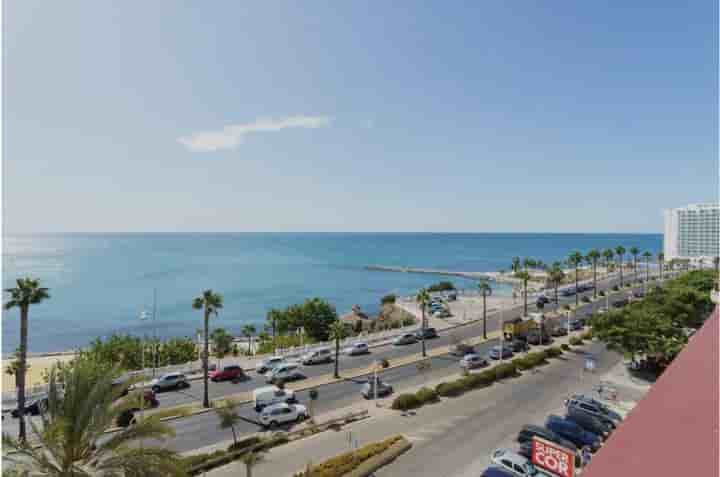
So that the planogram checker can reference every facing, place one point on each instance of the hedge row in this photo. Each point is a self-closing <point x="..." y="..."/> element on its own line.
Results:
<point x="474" y="381"/>
<point x="575" y="341"/>
<point x="198" y="463"/>
<point x="345" y="463"/>
<point x="410" y="401"/>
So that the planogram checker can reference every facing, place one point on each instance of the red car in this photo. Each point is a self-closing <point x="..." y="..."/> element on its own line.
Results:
<point x="228" y="373"/>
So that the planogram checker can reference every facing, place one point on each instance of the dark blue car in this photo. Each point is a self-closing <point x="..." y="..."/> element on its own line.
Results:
<point x="572" y="432"/>
<point x="496" y="472"/>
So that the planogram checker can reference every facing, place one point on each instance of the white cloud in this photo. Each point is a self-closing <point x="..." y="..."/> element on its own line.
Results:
<point x="232" y="136"/>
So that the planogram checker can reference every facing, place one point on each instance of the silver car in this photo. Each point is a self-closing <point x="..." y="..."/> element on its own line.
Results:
<point x="405" y="339"/>
<point x="169" y="381"/>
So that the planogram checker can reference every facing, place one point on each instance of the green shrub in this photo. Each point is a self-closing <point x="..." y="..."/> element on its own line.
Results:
<point x="388" y="299"/>
<point x="585" y="299"/>
<point x="505" y="370"/>
<point x="587" y="335"/>
<point x="197" y="459"/>
<point x="427" y="395"/>
<point x="565" y="347"/>
<point x="615" y="288"/>
<point x="345" y="463"/>
<point x="566" y="307"/>
<point x="406" y="401"/>
<point x="536" y="358"/>
<point x="553" y="352"/>
<point x="451" y="389"/>
<point x="408" y="321"/>
<point x="441" y="286"/>
<point x="575" y="341"/>
<point x="601" y="293"/>
<point x="521" y="363"/>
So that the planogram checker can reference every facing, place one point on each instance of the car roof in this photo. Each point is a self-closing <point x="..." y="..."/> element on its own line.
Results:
<point x="279" y="405"/>
<point x="513" y="457"/>
<point x="360" y="343"/>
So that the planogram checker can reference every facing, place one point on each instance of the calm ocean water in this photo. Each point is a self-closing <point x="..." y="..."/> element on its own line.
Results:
<point x="100" y="282"/>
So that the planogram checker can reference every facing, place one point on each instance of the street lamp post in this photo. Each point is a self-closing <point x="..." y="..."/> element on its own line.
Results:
<point x="143" y="316"/>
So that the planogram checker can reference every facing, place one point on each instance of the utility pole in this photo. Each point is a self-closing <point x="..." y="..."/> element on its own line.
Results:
<point x="155" y="337"/>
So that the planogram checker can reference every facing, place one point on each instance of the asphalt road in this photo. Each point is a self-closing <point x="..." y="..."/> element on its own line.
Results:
<point x="202" y="430"/>
<point x="389" y="352"/>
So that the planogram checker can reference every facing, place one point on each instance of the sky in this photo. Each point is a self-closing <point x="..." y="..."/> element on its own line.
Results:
<point x="140" y="116"/>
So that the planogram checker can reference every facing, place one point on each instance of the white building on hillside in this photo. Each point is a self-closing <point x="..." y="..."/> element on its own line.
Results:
<point x="692" y="232"/>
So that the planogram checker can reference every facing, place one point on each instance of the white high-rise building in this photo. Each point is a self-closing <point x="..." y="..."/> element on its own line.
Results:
<point x="692" y="232"/>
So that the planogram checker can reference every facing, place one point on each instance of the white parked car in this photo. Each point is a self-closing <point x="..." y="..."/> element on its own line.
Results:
<point x="284" y="372"/>
<point x="357" y="348"/>
<point x="472" y="361"/>
<point x="269" y="363"/>
<point x="320" y="355"/>
<point x="271" y="395"/>
<point x="283" y="413"/>
<point x="516" y="464"/>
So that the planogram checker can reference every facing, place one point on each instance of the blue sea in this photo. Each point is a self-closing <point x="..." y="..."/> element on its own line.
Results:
<point x="101" y="282"/>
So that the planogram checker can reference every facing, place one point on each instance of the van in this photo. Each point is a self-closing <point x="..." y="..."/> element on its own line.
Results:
<point x="284" y="372"/>
<point x="269" y="395"/>
<point x="320" y="355"/>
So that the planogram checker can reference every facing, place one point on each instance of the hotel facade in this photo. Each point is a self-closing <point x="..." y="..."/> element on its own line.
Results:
<point x="692" y="232"/>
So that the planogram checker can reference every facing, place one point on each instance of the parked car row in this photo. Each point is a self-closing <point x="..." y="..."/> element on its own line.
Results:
<point x="586" y="424"/>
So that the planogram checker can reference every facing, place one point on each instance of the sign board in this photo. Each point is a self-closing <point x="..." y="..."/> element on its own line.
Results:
<point x="553" y="458"/>
<point x="590" y="364"/>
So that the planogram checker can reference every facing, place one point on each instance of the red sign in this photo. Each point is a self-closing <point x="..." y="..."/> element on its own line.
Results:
<point x="552" y="457"/>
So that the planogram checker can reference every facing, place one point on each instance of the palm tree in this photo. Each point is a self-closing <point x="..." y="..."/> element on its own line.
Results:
<point x="634" y="251"/>
<point x="608" y="254"/>
<point x="620" y="252"/>
<point x="485" y="291"/>
<point x="422" y="299"/>
<point x="647" y="256"/>
<point x="524" y="276"/>
<point x="249" y="331"/>
<point x="251" y="459"/>
<point x="229" y="417"/>
<point x="575" y="259"/>
<point x="592" y="258"/>
<point x="515" y="264"/>
<point x="28" y="292"/>
<point x="556" y="276"/>
<point x="661" y="263"/>
<point x="338" y="332"/>
<point x="528" y="263"/>
<point x="72" y="439"/>
<point x="210" y="303"/>
<point x="272" y="316"/>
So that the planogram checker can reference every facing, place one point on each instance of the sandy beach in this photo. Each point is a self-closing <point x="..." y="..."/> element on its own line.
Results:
<point x="38" y="364"/>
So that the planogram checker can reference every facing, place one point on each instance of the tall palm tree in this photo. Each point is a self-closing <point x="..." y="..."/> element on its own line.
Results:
<point x="524" y="276"/>
<point x="485" y="291"/>
<point x="528" y="263"/>
<point x="338" y="332"/>
<point x="229" y="417"/>
<point x="647" y="256"/>
<point x="423" y="299"/>
<point x="575" y="259"/>
<point x="249" y="331"/>
<point x="592" y="258"/>
<point x="72" y="439"/>
<point x="210" y="303"/>
<point x="661" y="263"/>
<point x="608" y="254"/>
<point x="27" y="292"/>
<point x="634" y="251"/>
<point x="273" y="316"/>
<point x="556" y="276"/>
<point x="515" y="264"/>
<point x="620" y="252"/>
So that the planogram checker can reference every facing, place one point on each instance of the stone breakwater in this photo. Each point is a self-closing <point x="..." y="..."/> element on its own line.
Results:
<point x="496" y="276"/>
